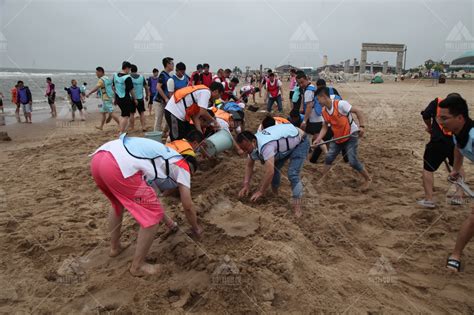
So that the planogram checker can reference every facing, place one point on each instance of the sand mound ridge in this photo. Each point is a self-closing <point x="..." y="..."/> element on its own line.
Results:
<point x="350" y="252"/>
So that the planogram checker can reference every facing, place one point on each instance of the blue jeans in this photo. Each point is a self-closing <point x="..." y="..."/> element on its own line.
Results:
<point x="297" y="156"/>
<point x="271" y="100"/>
<point x="350" y="147"/>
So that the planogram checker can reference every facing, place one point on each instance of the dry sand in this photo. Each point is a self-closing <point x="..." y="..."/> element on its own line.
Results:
<point x="368" y="253"/>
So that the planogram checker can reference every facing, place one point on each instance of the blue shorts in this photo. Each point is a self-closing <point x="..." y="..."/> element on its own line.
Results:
<point x="106" y="107"/>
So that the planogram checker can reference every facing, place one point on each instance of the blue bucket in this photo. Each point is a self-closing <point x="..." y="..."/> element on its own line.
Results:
<point x="154" y="135"/>
<point x="218" y="142"/>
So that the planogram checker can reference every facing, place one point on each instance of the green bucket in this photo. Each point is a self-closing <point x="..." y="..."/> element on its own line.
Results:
<point x="154" y="135"/>
<point x="218" y="142"/>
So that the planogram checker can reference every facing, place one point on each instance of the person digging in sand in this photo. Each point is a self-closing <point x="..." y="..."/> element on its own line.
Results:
<point x="273" y="146"/>
<point x="338" y="113"/>
<point x="454" y="116"/>
<point x="127" y="171"/>
<point x="437" y="150"/>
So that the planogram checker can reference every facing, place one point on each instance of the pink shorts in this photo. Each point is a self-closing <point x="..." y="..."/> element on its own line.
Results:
<point x="131" y="193"/>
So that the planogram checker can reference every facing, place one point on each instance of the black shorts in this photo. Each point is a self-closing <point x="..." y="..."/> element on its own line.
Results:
<point x="77" y="105"/>
<point x="126" y="106"/>
<point x="313" y="128"/>
<point x="435" y="153"/>
<point x="178" y="129"/>
<point x="51" y="99"/>
<point x="140" y="107"/>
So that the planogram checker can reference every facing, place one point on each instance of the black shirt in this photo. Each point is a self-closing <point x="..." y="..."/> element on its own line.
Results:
<point x="430" y="114"/>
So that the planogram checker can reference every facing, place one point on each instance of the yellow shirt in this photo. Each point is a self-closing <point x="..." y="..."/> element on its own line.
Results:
<point x="103" y="92"/>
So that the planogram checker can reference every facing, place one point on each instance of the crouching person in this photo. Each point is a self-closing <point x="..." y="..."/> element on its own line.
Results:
<point x="127" y="170"/>
<point x="274" y="146"/>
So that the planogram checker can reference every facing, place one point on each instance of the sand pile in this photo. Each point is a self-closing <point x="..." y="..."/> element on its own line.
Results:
<point x="350" y="252"/>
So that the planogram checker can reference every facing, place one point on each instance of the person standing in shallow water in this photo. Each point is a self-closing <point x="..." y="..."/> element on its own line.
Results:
<point x="50" y="94"/>
<point x="25" y="100"/>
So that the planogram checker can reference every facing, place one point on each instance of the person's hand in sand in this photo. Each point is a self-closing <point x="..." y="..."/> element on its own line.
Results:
<point x="244" y="191"/>
<point x="361" y="131"/>
<point x="256" y="196"/>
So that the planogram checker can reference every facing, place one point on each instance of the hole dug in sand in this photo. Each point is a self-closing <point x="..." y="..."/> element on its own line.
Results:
<point x="236" y="219"/>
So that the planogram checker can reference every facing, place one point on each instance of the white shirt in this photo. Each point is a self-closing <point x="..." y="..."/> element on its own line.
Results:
<point x="313" y="117"/>
<point x="129" y="165"/>
<point x="202" y="98"/>
<point x="344" y="108"/>
<point x="224" y="124"/>
<point x="246" y="88"/>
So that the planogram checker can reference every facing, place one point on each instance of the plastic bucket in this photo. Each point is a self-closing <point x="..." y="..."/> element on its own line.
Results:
<point x="218" y="142"/>
<point x="154" y="135"/>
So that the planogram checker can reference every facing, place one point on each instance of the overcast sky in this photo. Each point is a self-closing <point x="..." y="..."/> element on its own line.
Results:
<point x="78" y="34"/>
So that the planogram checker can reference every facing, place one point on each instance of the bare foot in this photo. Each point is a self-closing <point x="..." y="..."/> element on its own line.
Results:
<point x="145" y="269"/>
<point x="100" y="128"/>
<point x="117" y="251"/>
<point x="297" y="210"/>
<point x="365" y="186"/>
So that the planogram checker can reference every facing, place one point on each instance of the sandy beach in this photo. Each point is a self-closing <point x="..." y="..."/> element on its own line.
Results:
<point x="351" y="252"/>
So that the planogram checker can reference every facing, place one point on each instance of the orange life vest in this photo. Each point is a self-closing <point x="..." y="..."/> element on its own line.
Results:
<point x="340" y="124"/>
<point x="182" y="147"/>
<point x="222" y="114"/>
<point x="438" y="109"/>
<point x="14" y="92"/>
<point x="281" y="120"/>
<point x="181" y="94"/>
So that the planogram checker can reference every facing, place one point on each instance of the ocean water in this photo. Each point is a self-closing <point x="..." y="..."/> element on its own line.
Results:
<point x="36" y="81"/>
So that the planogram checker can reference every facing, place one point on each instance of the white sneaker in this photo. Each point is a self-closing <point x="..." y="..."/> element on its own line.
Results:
<point x="426" y="203"/>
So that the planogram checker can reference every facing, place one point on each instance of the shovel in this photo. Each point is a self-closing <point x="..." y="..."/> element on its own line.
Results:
<point x="459" y="181"/>
<point x="317" y="148"/>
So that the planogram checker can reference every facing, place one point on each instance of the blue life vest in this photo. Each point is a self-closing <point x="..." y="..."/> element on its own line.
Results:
<point x="147" y="149"/>
<point x="275" y="133"/>
<point x="108" y="87"/>
<point x="119" y="83"/>
<point x="152" y="82"/>
<point x="23" y="95"/>
<point x="75" y="93"/>
<point x="296" y="94"/>
<point x="138" y="85"/>
<point x="301" y="119"/>
<point x="316" y="106"/>
<point x="180" y="83"/>
<point x="164" y="85"/>
<point x="468" y="150"/>
<point x="333" y="95"/>
<point x="232" y="106"/>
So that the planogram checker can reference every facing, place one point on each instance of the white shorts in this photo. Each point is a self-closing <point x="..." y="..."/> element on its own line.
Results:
<point x="26" y="108"/>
